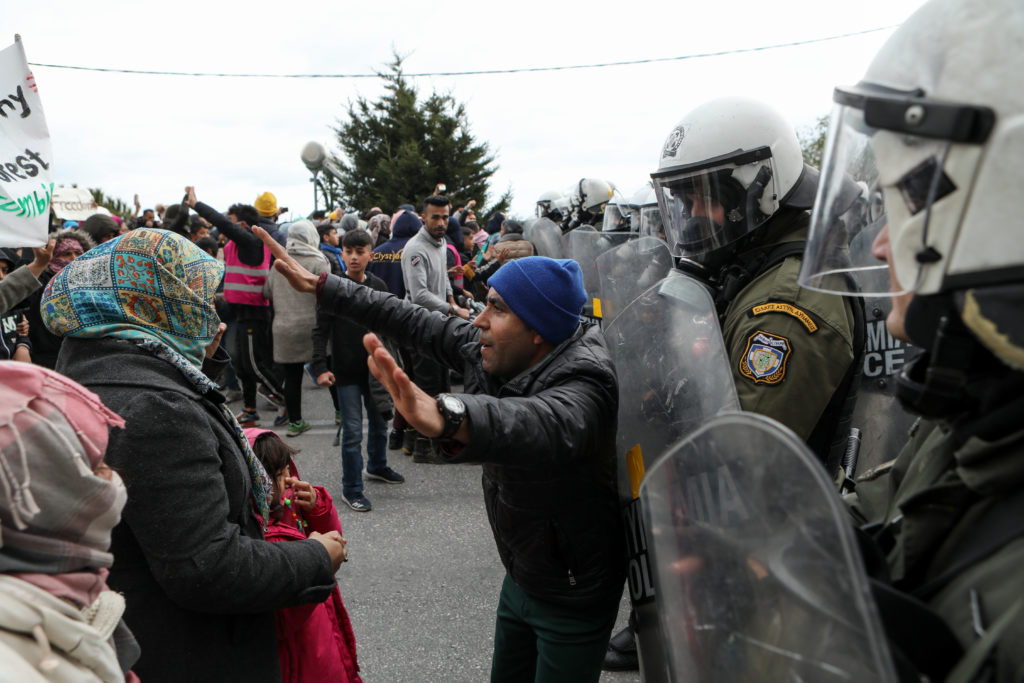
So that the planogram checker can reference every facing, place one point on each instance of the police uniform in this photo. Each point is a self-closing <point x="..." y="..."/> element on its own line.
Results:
<point x="790" y="348"/>
<point x="930" y="511"/>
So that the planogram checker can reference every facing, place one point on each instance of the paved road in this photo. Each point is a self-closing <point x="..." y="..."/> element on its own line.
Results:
<point x="422" y="581"/>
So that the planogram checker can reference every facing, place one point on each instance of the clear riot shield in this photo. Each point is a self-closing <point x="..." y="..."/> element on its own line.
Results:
<point x="881" y="419"/>
<point x="757" y="572"/>
<point x="584" y="245"/>
<point x="627" y="270"/>
<point x="545" y="236"/>
<point x="674" y="375"/>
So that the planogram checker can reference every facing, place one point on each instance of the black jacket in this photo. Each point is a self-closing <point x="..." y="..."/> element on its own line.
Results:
<point x="347" y="353"/>
<point x="200" y="582"/>
<point x="546" y="440"/>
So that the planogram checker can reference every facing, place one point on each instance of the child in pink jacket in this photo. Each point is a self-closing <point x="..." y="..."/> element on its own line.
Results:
<point x="314" y="642"/>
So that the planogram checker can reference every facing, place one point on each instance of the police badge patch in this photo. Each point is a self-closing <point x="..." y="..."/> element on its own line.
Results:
<point x="764" y="361"/>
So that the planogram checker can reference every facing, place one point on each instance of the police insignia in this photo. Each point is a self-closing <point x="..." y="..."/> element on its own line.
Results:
<point x="764" y="361"/>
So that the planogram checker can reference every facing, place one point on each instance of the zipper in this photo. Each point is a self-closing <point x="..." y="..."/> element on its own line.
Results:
<point x="572" y="579"/>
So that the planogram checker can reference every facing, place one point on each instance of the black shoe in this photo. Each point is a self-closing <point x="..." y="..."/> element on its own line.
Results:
<point x="425" y="453"/>
<point x="621" y="654"/>
<point x="408" y="441"/>
<point x="395" y="440"/>
<point x="358" y="502"/>
<point x="386" y="475"/>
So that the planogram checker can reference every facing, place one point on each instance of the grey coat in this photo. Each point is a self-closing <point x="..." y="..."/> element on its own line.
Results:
<point x="294" y="313"/>
<point x="200" y="582"/>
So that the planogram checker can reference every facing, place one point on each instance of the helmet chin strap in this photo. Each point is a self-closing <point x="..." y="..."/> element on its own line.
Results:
<point x="935" y="384"/>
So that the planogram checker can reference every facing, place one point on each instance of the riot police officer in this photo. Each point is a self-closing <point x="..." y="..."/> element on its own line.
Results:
<point x="936" y="127"/>
<point x="734" y="195"/>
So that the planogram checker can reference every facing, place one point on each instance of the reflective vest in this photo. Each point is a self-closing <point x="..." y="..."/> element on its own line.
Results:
<point x="244" y="284"/>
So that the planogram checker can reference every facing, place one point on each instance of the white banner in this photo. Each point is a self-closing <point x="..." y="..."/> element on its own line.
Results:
<point x="26" y="158"/>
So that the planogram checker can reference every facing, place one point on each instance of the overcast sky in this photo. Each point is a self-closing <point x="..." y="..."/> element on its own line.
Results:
<point x="235" y="138"/>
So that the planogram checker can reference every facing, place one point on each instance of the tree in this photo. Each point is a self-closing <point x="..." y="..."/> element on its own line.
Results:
<point x="399" y="147"/>
<point x="112" y="204"/>
<point x="812" y="142"/>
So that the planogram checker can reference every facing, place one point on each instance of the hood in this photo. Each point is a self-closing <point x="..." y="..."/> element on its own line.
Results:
<point x="406" y="226"/>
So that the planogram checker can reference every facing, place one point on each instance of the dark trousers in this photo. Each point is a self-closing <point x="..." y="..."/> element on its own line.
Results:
<point x="293" y="390"/>
<point x="256" y="360"/>
<point x="542" y="642"/>
<point x="429" y="375"/>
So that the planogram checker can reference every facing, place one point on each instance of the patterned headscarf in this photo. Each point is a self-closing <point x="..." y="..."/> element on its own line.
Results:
<point x="155" y="289"/>
<point x="56" y="514"/>
<point x="146" y="284"/>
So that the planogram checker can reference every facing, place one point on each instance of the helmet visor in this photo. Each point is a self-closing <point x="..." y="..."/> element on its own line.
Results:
<point x="612" y="219"/>
<point x="882" y="147"/>
<point x="711" y="208"/>
<point x="650" y="223"/>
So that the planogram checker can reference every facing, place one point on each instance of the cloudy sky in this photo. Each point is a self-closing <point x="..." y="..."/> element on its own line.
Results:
<point x="236" y="137"/>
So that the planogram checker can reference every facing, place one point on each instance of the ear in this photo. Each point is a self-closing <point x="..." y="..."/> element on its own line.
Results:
<point x="538" y="340"/>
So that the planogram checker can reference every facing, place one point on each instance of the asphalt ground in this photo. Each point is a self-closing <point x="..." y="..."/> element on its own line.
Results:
<point x="422" y="581"/>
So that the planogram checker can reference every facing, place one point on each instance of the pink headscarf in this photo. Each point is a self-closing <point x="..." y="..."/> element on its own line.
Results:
<point x="53" y="433"/>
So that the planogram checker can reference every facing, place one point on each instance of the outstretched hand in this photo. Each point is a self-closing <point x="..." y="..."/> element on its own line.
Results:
<point x="417" y="406"/>
<point x="298" y="277"/>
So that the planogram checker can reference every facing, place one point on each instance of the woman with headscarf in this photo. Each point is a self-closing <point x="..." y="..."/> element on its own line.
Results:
<point x="200" y="581"/>
<point x="380" y="227"/>
<point x="59" y="502"/>
<point x="294" y="318"/>
<point x="69" y="245"/>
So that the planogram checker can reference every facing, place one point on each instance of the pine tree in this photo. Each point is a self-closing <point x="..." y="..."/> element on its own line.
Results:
<point x="398" y="148"/>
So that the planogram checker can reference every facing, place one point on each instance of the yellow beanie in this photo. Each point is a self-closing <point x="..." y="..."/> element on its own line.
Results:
<point x="266" y="204"/>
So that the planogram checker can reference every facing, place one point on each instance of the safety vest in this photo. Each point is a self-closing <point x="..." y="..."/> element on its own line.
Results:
<point x="244" y="284"/>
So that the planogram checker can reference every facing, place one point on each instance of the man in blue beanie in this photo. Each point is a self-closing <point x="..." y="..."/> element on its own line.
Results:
<point x="539" y="413"/>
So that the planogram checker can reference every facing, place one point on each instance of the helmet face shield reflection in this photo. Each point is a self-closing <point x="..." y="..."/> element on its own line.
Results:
<point x="710" y="208"/>
<point x="874" y="177"/>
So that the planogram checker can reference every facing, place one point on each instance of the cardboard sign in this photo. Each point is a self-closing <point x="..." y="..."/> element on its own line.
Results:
<point x="26" y="159"/>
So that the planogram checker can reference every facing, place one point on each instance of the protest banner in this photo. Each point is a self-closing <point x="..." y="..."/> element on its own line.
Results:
<point x="26" y="159"/>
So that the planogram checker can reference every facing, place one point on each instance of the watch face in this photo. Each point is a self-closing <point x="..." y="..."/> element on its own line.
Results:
<point x="454" y="405"/>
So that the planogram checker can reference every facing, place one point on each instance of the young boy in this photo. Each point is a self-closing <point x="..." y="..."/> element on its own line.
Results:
<point x="349" y="376"/>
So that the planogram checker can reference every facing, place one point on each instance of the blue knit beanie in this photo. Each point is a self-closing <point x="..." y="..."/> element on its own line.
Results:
<point x="547" y="294"/>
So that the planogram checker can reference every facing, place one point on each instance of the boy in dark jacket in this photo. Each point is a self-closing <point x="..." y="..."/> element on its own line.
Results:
<point x="350" y="379"/>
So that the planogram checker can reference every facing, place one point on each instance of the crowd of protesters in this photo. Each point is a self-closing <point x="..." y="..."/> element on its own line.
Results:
<point x="162" y="321"/>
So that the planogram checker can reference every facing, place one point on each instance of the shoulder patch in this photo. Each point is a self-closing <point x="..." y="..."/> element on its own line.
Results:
<point x="765" y="358"/>
<point x="788" y="309"/>
<point x="416" y="260"/>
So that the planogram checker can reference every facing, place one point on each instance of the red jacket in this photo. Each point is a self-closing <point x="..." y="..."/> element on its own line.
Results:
<point x="314" y="642"/>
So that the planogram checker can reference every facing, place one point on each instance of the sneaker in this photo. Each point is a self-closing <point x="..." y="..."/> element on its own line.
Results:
<point x="395" y="439"/>
<point x="386" y="475"/>
<point x="282" y="419"/>
<point x="296" y="428"/>
<point x="358" y="502"/>
<point x="248" y="418"/>
<point x="408" y="441"/>
<point x="337" y="417"/>
<point x="424" y="452"/>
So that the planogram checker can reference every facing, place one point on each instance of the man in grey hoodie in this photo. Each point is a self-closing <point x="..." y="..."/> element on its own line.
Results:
<point x="425" y="272"/>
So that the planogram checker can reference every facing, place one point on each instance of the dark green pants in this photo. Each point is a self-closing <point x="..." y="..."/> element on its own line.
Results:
<point x="547" y="643"/>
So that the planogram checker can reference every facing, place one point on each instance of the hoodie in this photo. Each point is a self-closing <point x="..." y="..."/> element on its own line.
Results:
<point x="387" y="258"/>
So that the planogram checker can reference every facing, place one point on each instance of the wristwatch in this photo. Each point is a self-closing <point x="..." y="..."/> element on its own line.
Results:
<point x="453" y="410"/>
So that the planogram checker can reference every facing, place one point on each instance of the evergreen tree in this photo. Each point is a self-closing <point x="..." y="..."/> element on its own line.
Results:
<point x="113" y="204"/>
<point x="812" y="142"/>
<point x="399" y="147"/>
